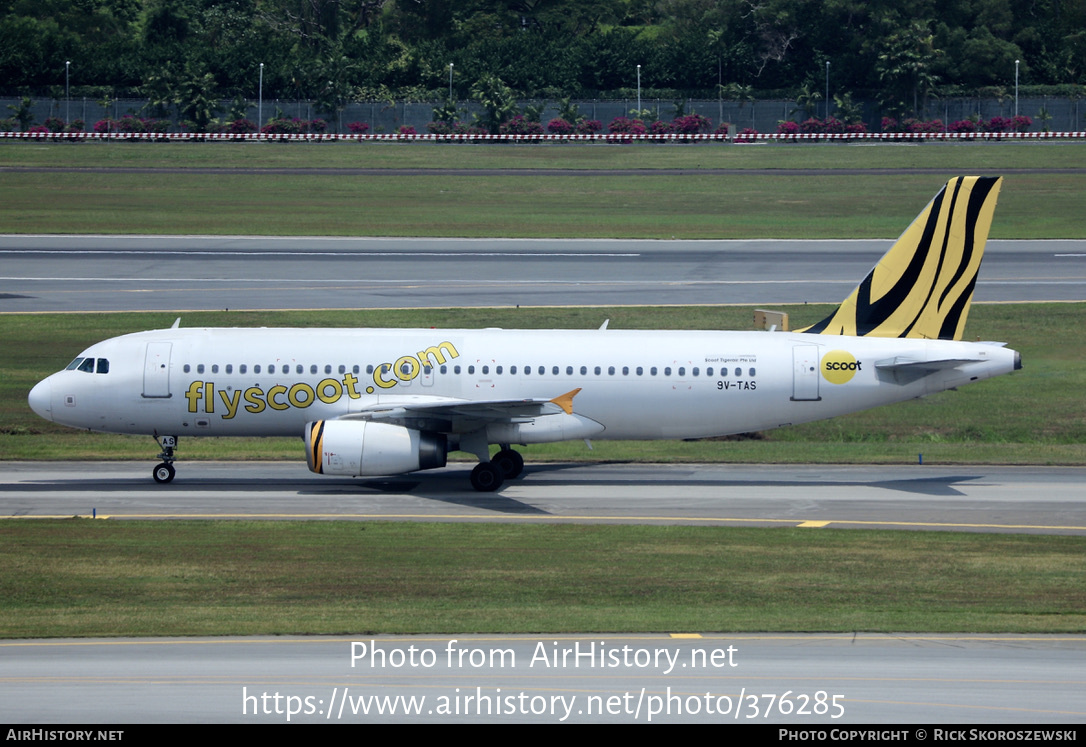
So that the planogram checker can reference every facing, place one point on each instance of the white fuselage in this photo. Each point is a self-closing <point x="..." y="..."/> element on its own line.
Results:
<point x="633" y="384"/>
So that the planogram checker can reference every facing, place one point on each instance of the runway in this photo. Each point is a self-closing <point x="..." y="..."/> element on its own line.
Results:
<point x="143" y="273"/>
<point x="966" y="498"/>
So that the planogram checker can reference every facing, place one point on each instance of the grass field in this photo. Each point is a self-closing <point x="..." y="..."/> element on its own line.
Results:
<point x="88" y="578"/>
<point x="690" y="205"/>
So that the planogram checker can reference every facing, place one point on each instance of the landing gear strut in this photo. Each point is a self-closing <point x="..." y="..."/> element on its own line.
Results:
<point x="164" y="472"/>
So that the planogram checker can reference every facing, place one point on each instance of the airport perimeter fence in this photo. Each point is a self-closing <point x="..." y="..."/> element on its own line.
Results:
<point x="1061" y="114"/>
<point x="611" y="138"/>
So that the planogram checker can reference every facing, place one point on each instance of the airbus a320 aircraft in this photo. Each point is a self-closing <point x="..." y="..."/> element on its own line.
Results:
<point x="389" y="401"/>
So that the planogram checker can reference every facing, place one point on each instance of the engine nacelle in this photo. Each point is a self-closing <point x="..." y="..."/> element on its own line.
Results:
<point x="356" y="448"/>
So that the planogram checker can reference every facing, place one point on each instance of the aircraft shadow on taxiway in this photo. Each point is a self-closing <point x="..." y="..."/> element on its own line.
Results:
<point x="448" y="486"/>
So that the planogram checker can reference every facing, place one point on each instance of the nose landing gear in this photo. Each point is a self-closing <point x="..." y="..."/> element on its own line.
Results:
<point x="164" y="472"/>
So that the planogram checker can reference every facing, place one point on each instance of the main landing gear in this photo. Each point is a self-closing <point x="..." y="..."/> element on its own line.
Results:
<point x="507" y="464"/>
<point x="164" y="472"/>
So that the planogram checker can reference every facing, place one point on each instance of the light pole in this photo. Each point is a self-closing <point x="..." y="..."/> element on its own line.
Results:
<point x="67" y="95"/>
<point x="827" y="89"/>
<point x="638" y="91"/>
<point x="1016" y="88"/>
<point x="450" y="81"/>
<point x="260" y="101"/>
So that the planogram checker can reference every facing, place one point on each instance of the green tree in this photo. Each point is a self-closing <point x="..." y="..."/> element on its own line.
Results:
<point x="498" y="102"/>
<point x="194" y="99"/>
<point x="905" y="67"/>
<point x="24" y="113"/>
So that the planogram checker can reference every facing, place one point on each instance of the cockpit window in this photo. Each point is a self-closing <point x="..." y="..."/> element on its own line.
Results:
<point x="74" y="364"/>
<point x="87" y="365"/>
<point x="103" y="365"/>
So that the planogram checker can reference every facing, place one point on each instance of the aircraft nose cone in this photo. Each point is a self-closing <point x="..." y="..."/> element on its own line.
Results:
<point x="41" y="399"/>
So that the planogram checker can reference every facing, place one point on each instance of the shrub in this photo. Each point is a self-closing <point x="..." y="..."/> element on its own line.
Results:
<point x="889" y="124"/>
<point x="241" y="126"/>
<point x="812" y="126"/>
<point x="660" y="128"/>
<point x="692" y="124"/>
<point x="997" y="124"/>
<point x="963" y="126"/>
<point x="1021" y="123"/>
<point x="856" y="128"/>
<point x="518" y="125"/>
<point x="39" y="130"/>
<point x="406" y="130"/>
<point x="787" y="127"/>
<point x="832" y="124"/>
<point x="624" y="126"/>
<point x="285" y="126"/>
<point x="318" y="125"/>
<point x="456" y="128"/>
<point x="129" y="123"/>
<point x="55" y="124"/>
<point x="361" y="128"/>
<point x="589" y="126"/>
<point x="559" y="127"/>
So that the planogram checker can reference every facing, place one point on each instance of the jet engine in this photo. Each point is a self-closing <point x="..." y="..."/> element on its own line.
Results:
<point x="355" y="448"/>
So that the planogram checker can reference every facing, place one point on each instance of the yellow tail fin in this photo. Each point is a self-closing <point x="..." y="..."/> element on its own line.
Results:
<point x="923" y="286"/>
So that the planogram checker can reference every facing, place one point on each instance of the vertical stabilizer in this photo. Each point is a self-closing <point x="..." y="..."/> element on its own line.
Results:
<point x="923" y="286"/>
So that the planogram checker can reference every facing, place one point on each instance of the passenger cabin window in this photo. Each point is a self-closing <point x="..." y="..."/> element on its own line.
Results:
<point x="199" y="368"/>
<point x="242" y="368"/>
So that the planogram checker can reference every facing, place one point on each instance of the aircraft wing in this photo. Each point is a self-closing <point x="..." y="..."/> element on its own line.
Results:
<point x="458" y="412"/>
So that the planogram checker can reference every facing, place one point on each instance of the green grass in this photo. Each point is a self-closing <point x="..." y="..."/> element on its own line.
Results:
<point x="87" y="578"/>
<point x="937" y="156"/>
<point x="1035" y="416"/>
<point x="656" y="206"/>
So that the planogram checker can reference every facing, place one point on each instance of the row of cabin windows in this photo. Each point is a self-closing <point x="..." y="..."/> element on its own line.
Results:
<point x="89" y="365"/>
<point x="598" y="371"/>
<point x="407" y="369"/>
<point x="272" y="368"/>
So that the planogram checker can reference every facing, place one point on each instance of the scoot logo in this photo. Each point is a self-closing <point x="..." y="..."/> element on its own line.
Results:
<point x="839" y="366"/>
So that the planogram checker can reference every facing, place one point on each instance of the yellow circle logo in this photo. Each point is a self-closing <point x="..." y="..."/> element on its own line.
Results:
<point x="839" y="366"/>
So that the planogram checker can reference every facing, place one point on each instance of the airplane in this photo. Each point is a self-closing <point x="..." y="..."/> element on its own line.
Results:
<point x="373" y="402"/>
